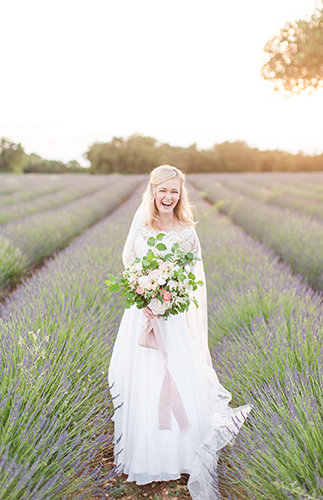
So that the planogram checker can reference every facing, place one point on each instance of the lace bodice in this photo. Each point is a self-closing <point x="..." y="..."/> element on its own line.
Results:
<point x="186" y="238"/>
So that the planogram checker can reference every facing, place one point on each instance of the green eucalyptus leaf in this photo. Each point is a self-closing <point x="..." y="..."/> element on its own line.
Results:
<point x="161" y="247"/>
<point x="151" y="241"/>
<point x="160" y="236"/>
<point x="153" y="264"/>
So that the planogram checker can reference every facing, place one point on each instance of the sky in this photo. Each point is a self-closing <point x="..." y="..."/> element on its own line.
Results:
<point x="75" y="72"/>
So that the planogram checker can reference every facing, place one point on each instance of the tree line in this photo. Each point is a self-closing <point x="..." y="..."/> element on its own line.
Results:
<point x="14" y="159"/>
<point x="139" y="154"/>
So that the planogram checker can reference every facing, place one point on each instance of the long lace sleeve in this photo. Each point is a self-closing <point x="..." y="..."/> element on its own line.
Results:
<point x="189" y="242"/>
<point x="195" y="244"/>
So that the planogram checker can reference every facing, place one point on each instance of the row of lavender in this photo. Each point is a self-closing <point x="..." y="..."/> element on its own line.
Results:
<point x="70" y="191"/>
<point x="266" y="341"/>
<point x="15" y="188"/>
<point x="283" y="191"/>
<point x="25" y="243"/>
<point x="56" y="336"/>
<point x="297" y="238"/>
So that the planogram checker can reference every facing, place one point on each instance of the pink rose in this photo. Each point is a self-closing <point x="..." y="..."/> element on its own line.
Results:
<point x="139" y="290"/>
<point x="163" y="266"/>
<point x="167" y="296"/>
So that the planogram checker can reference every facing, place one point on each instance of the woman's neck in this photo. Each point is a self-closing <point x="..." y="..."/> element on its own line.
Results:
<point x="166" y="221"/>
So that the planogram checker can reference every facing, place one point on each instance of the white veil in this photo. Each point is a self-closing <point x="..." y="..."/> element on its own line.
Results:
<point x="138" y="221"/>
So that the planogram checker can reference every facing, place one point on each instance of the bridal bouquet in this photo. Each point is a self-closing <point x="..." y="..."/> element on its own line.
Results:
<point x="163" y="281"/>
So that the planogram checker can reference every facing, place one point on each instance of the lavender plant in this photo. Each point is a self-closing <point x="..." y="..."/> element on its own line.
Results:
<point x="39" y="236"/>
<point x="296" y="238"/>
<point x="82" y="186"/>
<point x="299" y="200"/>
<point x="309" y="184"/>
<point x="56" y="335"/>
<point x="266" y="336"/>
<point x="31" y="192"/>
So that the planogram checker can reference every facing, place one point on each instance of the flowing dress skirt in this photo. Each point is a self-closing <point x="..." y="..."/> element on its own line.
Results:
<point x="137" y="373"/>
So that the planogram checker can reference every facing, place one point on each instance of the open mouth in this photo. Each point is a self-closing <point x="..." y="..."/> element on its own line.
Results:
<point x="166" y="204"/>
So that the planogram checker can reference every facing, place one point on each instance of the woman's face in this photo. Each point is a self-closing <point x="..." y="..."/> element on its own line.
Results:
<point x="167" y="195"/>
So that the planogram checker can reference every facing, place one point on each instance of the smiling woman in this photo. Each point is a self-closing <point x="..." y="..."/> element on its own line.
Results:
<point x="171" y="413"/>
<point x="166" y="200"/>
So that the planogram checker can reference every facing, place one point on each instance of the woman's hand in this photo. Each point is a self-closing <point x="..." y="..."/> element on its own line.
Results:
<point x="148" y="313"/>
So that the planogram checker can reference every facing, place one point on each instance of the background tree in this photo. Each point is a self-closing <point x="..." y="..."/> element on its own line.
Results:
<point x="14" y="159"/>
<point x="295" y="55"/>
<point x="12" y="156"/>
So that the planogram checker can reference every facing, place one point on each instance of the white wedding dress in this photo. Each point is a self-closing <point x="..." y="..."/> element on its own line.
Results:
<point x="136" y="374"/>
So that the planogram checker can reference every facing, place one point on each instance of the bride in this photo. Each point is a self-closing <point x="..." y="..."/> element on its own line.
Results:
<point x="148" y="447"/>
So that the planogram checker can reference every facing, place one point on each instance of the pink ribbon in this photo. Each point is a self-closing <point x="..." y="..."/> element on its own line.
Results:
<point x="169" y="399"/>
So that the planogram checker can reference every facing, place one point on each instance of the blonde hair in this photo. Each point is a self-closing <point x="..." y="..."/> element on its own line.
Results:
<point x="183" y="209"/>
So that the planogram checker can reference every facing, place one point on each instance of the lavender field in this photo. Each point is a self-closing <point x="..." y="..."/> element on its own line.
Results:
<point x="58" y="327"/>
<point x="48" y="222"/>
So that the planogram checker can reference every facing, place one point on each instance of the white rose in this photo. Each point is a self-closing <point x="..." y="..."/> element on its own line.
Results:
<point x="172" y="284"/>
<point x="161" y="281"/>
<point x="144" y="280"/>
<point x="157" y="307"/>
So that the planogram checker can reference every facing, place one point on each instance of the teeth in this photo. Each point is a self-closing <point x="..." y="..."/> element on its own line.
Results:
<point x="167" y="204"/>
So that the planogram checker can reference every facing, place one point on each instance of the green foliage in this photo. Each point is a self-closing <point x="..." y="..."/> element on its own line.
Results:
<point x="12" y="156"/>
<point x="35" y="164"/>
<point x="295" y="55"/>
<point x="141" y="154"/>
<point x="12" y="261"/>
<point x="14" y="159"/>
<point x="150" y="262"/>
